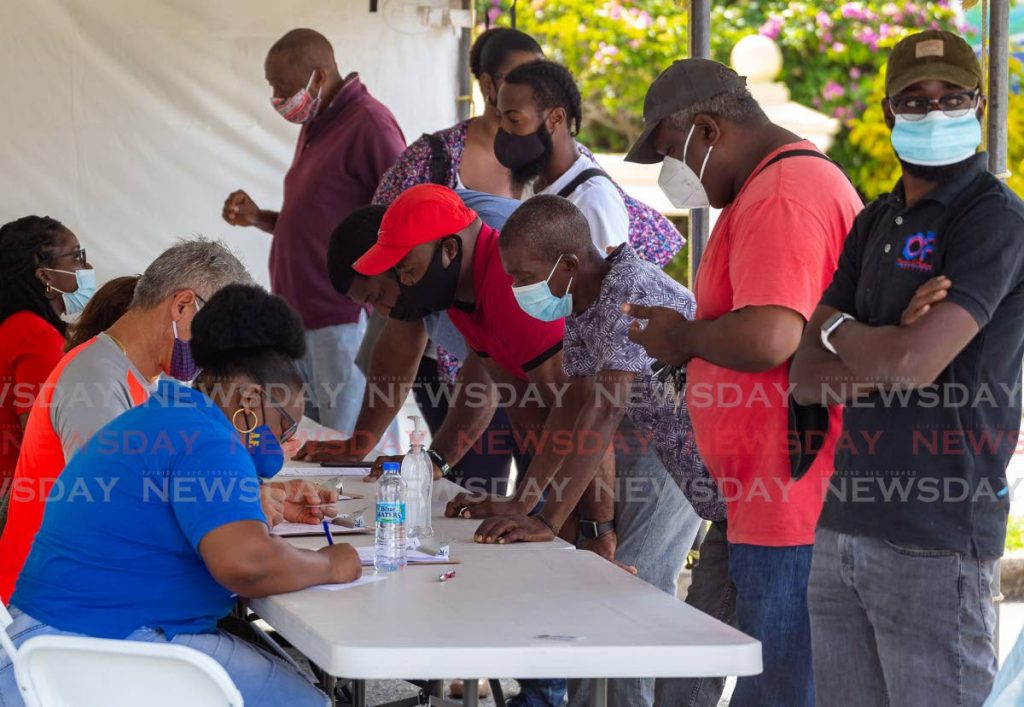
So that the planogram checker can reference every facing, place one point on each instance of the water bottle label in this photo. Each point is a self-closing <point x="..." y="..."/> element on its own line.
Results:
<point x="390" y="513"/>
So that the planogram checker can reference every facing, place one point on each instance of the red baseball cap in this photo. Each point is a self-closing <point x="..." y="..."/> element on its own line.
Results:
<point x="421" y="214"/>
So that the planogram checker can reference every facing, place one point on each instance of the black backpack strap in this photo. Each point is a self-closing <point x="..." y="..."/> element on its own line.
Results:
<point x="438" y="159"/>
<point x="584" y="176"/>
<point x="808" y="153"/>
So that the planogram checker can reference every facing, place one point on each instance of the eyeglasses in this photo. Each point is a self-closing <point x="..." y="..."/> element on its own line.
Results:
<point x="954" y="105"/>
<point x="293" y="425"/>
<point x="77" y="256"/>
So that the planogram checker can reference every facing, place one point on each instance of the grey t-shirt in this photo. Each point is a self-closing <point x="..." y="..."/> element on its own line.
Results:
<point x="96" y="386"/>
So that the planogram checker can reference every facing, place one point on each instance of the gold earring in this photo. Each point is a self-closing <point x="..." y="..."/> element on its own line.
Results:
<point x="49" y="289"/>
<point x="245" y="414"/>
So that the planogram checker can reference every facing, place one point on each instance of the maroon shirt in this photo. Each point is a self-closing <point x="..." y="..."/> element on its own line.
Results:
<point x="340" y="158"/>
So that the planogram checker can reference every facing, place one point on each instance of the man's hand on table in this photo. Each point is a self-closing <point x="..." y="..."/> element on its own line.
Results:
<point x="297" y="501"/>
<point x="468" y="505"/>
<point x="515" y="528"/>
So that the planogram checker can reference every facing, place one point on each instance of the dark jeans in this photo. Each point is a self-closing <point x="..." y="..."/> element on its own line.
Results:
<point x="483" y="469"/>
<point x="771" y="606"/>
<point x="899" y="625"/>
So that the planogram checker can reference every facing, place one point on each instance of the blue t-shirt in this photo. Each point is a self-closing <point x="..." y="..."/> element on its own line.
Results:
<point x="119" y="545"/>
<point x="492" y="209"/>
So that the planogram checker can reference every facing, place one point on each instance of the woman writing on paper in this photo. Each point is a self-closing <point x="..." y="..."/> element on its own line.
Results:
<point x="156" y="524"/>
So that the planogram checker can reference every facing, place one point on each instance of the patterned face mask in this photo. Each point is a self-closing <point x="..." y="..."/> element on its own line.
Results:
<point x="301" y="107"/>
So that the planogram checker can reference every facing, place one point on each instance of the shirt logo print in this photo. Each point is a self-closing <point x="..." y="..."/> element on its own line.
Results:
<point x="917" y="251"/>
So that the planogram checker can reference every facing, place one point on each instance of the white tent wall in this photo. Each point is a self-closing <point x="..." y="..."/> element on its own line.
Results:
<point x="132" y="120"/>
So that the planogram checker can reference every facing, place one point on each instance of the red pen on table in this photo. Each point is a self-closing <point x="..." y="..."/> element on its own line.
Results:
<point x="446" y="576"/>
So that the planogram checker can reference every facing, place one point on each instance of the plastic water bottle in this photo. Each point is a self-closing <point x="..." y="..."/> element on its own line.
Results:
<point x="418" y="474"/>
<point x="391" y="542"/>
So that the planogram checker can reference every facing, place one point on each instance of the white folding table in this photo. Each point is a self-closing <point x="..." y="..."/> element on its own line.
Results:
<point x="492" y="619"/>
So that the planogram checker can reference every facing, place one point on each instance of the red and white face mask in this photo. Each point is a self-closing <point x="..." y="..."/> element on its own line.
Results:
<point x="301" y="107"/>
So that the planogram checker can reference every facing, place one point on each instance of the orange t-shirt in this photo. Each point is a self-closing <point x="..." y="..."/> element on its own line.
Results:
<point x="776" y="244"/>
<point x="91" y="385"/>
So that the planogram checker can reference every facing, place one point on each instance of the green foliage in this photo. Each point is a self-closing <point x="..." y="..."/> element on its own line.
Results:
<point x="834" y="56"/>
<point x="615" y="49"/>
<point x="1015" y="534"/>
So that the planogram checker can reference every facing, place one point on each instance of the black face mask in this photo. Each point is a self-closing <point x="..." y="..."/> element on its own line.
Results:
<point x="525" y="155"/>
<point x="435" y="291"/>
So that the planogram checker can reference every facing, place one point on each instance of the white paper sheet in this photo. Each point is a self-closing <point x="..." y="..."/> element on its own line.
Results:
<point x="365" y="579"/>
<point x="317" y="471"/>
<point x="286" y="530"/>
<point x="414" y="557"/>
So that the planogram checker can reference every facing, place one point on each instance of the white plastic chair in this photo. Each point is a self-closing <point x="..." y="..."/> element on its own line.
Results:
<point x="73" y="671"/>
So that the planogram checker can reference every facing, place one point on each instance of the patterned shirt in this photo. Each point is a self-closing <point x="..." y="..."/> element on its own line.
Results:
<point x="596" y="341"/>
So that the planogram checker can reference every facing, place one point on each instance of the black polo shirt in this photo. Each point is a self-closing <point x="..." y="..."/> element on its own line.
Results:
<point x="927" y="468"/>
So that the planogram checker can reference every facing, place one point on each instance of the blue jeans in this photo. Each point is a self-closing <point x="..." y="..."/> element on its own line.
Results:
<point x="334" y="382"/>
<point x="713" y="592"/>
<point x="900" y="625"/>
<point x="656" y="526"/>
<point x="263" y="679"/>
<point x="771" y="606"/>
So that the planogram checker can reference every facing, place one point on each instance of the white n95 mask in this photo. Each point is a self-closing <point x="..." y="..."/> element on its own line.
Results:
<point x="684" y="189"/>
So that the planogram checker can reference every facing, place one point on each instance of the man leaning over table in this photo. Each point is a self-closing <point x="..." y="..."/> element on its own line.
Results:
<point x="347" y="142"/>
<point x="446" y="258"/>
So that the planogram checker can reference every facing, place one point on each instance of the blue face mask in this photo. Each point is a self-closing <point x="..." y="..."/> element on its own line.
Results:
<point x="937" y="139"/>
<point x="267" y="453"/>
<point x="74" y="302"/>
<point x="539" y="302"/>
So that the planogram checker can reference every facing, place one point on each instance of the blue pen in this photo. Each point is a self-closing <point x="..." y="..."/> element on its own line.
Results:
<point x="327" y="532"/>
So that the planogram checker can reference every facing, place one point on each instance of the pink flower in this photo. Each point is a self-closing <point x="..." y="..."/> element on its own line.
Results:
<point x="853" y="11"/>
<point x="838" y="47"/>
<point x="855" y="73"/>
<point x="634" y="43"/>
<point x="771" y="28"/>
<point x="832" y="90"/>
<point x="823" y="19"/>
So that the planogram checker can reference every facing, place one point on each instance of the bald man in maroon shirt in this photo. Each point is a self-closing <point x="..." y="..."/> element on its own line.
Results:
<point x="347" y="141"/>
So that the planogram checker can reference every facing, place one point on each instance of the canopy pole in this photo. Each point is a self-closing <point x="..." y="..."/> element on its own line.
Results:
<point x="464" y="82"/>
<point x="998" y="85"/>
<point x="700" y="47"/>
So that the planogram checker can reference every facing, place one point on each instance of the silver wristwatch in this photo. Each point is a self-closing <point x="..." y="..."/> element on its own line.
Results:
<point x="829" y="327"/>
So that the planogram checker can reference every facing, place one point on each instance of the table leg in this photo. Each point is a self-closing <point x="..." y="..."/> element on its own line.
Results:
<point x="599" y="692"/>
<point x="358" y="693"/>
<point x="329" y="684"/>
<point x="470" y="692"/>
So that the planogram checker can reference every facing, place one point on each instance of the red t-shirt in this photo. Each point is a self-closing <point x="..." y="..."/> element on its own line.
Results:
<point x="30" y="347"/>
<point x="496" y="326"/>
<point x="777" y="244"/>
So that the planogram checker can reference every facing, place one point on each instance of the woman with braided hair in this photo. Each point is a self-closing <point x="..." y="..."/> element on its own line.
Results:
<point x="541" y="111"/>
<point x="44" y="274"/>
